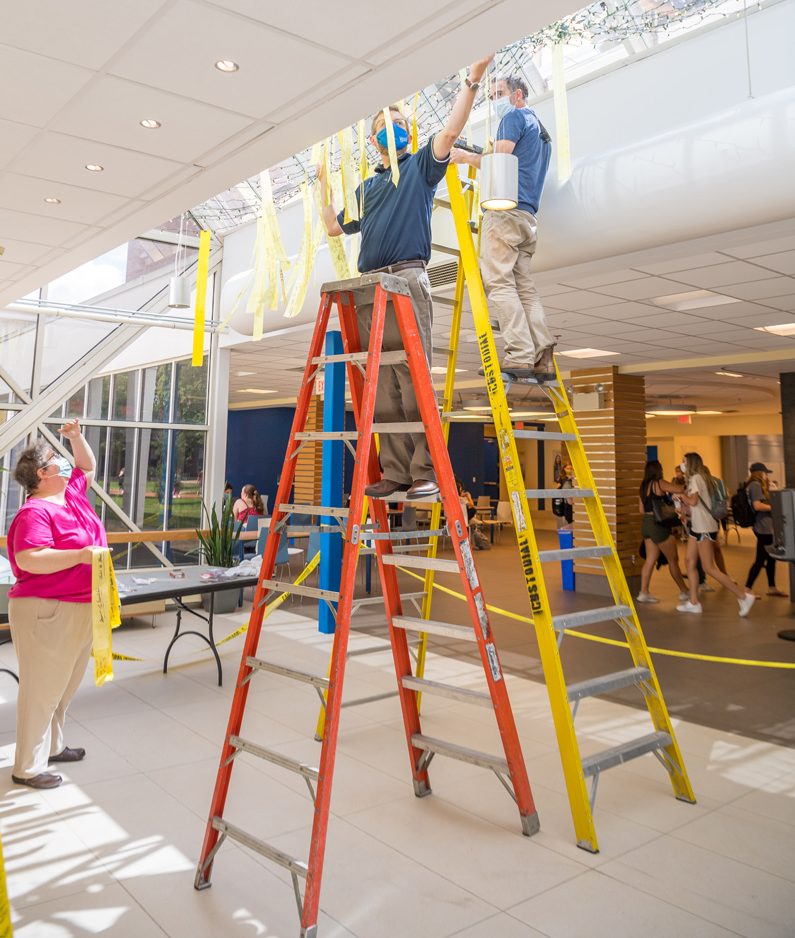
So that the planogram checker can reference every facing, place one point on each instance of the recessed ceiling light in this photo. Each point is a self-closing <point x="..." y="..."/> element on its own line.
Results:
<point x="226" y="65"/>
<point x="150" y="123"/>
<point x="729" y="374"/>
<point x="256" y="391"/>
<point x="441" y="370"/>
<point x="783" y="328"/>
<point x="671" y="410"/>
<point x="94" y="167"/>
<point x="693" y="299"/>
<point x="245" y="374"/>
<point x="587" y="353"/>
<point x="708" y="413"/>
<point x="51" y="200"/>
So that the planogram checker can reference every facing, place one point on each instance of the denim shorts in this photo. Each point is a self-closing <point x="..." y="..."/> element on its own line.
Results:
<point x="702" y="535"/>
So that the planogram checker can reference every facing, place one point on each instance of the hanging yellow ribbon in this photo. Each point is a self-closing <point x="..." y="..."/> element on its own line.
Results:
<point x="415" y="137"/>
<point x="305" y="260"/>
<point x="349" y="174"/>
<point x="560" y="100"/>
<point x="391" y="147"/>
<point x="364" y="166"/>
<point x="105" y="613"/>
<point x="202" y="275"/>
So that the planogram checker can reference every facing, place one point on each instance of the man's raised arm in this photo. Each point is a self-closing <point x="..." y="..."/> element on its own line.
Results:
<point x="443" y="141"/>
<point x="328" y="212"/>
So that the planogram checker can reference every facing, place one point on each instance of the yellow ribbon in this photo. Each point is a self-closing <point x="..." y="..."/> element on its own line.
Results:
<point x="364" y="166"/>
<point x="302" y="269"/>
<point x="391" y="147"/>
<point x="415" y="137"/>
<point x="202" y="274"/>
<point x="351" y="208"/>
<point x="105" y="613"/>
<point x="560" y="100"/>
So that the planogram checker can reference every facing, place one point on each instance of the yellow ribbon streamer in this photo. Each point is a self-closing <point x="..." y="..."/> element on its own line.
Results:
<point x="714" y="659"/>
<point x="105" y="613"/>
<point x="391" y="147"/>
<point x="302" y="269"/>
<point x="560" y="100"/>
<point x="364" y="166"/>
<point x="415" y="137"/>
<point x="348" y="173"/>
<point x="202" y="274"/>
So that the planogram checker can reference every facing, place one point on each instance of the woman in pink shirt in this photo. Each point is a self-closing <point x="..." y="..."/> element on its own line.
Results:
<point x="50" y="545"/>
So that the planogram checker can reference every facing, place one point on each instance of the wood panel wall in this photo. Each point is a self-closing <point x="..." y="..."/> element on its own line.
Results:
<point x="614" y="438"/>
<point x="309" y="462"/>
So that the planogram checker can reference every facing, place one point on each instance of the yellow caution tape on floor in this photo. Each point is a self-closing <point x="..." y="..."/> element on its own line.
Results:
<point x="105" y="613"/>
<point x="6" y="930"/>
<point x="575" y="633"/>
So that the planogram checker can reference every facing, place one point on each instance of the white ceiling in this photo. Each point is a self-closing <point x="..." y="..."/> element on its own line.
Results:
<point x="80" y="77"/>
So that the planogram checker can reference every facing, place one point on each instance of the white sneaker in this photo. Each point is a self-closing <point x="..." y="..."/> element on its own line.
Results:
<point x="695" y="608"/>
<point x="684" y="596"/>
<point x="646" y="598"/>
<point x="745" y="604"/>
<point x="706" y="588"/>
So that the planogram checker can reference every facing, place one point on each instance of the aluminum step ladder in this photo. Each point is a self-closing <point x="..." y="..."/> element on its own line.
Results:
<point x="508" y="766"/>
<point x="550" y="629"/>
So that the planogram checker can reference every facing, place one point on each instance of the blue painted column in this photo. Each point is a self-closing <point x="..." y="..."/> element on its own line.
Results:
<point x="566" y="542"/>
<point x="331" y="478"/>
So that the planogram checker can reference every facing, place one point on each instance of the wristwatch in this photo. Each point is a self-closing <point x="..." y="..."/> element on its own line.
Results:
<point x="474" y="85"/>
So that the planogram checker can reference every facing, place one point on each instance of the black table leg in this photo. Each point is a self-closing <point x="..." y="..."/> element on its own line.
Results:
<point x="178" y="634"/>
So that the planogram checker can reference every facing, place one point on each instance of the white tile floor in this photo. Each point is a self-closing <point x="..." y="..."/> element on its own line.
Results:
<point x="113" y="851"/>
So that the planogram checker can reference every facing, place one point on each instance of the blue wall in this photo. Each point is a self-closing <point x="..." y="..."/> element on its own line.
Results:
<point x="256" y="442"/>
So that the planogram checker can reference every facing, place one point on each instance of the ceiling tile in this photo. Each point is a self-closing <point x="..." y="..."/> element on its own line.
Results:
<point x="110" y="110"/>
<point x="782" y="263"/>
<point x="721" y="275"/>
<point x="779" y="302"/>
<point x="774" y="286"/>
<point x="63" y="158"/>
<point x="11" y="271"/>
<point x="81" y="205"/>
<point x="47" y="227"/>
<point x="759" y="248"/>
<point x="14" y="137"/>
<point x="622" y="311"/>
<point x="45" y="85"/>
<point x="85" y="33"/>
<point x="177" y="54"/>
<point x="551" y="289"/>
<point x="580" y="299"/>
<point x="600" y="280"/>
<point x="22" y="252"/>
<point x="684" y="263"/>
<point x="641" y="289"/>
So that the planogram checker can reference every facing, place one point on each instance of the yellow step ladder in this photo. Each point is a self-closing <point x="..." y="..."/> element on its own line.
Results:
<point x="550" y="629"/>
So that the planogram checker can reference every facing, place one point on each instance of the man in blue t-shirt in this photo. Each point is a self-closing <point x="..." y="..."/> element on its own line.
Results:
<point x="508" y="238"/>
<point x="395" y="223"/>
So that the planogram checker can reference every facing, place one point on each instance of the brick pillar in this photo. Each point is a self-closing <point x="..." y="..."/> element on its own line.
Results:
<point x="612" y="424"/>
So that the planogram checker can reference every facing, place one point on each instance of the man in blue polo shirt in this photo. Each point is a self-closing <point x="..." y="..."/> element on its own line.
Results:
<point x="508" y="238"/>
<point x="396" y="238"/>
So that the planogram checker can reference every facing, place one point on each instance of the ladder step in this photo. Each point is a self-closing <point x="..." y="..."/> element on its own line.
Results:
<point x="387" y="358"/>
<point x="433" y="627"/>
<point x="544" y="435"/>
<point x="379" y="600"/>
<point x="327" y="435"/>
<point x="326" y="510"/>
<point x="607" y="682"/>
<point x="558" y="493"/>
<point x="297" y="867"/>
<point x="442" y="300"/>
<point x="454" y="751"/>
<point x="408" y="548"/>
<point x="416" y="427"/>
<point x="573" y="620"/>
<point x="609" y="758"/>
<point x="401" y="535"/>
<point x="422" y="563"/>
<point x="573" y="553"/>
<point x="446" y="249"/>
<point x="316" y="680"/>
<point x="292" y="765"/>
<point x="401" y="496"/>
<point x="284" y="586"/>
<point x="447" y="690"/>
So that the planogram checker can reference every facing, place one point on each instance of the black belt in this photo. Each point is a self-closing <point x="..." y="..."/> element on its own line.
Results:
<point x="394" y="268"/>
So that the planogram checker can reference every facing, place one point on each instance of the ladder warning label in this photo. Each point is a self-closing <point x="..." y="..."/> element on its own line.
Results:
<point x="491" y="651"/>
<point x="518" y="514"/>
<point x="483" y="618"/>
<point x="469" y="564"/>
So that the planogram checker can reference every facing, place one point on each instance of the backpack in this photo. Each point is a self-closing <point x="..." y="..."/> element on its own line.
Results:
<point x="719" y="502"/>
<point x="742" y="509"/>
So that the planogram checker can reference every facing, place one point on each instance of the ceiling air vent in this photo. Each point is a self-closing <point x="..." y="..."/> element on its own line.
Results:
<point x="442" y="275"/>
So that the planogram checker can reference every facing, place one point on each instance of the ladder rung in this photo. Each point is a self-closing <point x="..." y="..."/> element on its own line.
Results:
<point x="609" y="758"/>
<point x="559" y="493"/>
<point x="441" y="300"/>
<point x="447" y="690"/>
<point x="400" y="535"/>
<point x="573" y="553"/>
<point x="387" y="358"/>
<point x="305" y="677"/>
<point x="285" y="586"/>
<point x="446" y="249"/>
<point x="298" y="867"/>
<point x="607" y="682"/>
<point x="544" y="435"/>
<point x="454" y="751"/>
<point x="408" y="548"/>
<point x="433" y="627"/>
<point x="292" y="765"/>
<point x="379" y="600"/>
<point x="326" y="510"/>
<point x="416" y="427"/>
<point x="423" y="563"/>
<point x="573" y="620"/>
<point x="327" y="435"/>
<point x="401" y="497"/>
<point x="531" y="379"/>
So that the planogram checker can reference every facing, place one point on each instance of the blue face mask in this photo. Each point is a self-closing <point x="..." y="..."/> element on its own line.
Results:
<point x="63" y="465"/>
<point x="502" y="106"/>
<point x="401" y="137"/>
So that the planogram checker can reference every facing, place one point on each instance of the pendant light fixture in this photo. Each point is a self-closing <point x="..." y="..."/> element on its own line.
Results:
<point x="499" y="172"/>
<point x="178" y="287"/>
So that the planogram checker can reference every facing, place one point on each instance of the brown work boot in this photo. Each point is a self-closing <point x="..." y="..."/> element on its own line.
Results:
<point x="43" y="780"/>
<point x="423" y="488"/>
<point x="384" y="488"/>
<point x="545" y="362"/>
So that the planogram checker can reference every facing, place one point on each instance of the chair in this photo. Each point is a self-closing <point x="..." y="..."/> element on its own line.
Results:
<point x="503" y="515"/>
<point x="483" y="506"/>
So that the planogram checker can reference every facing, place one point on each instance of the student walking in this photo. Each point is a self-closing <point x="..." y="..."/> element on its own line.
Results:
<point x="657" y="535"/>
<point x="757" y="488"/>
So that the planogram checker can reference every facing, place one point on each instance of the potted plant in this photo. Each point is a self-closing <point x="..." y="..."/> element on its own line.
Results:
<point x="218" y="548"/>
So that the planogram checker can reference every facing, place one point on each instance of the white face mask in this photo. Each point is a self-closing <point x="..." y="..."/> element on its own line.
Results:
<point x="502" y="106"/>
<point x="683" y="467"/>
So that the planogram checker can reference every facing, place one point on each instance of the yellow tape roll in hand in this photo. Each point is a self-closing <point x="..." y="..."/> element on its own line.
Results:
<point x="105" y="613"/>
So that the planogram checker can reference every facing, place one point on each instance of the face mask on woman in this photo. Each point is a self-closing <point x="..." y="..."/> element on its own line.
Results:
<point x="63" y="465"/>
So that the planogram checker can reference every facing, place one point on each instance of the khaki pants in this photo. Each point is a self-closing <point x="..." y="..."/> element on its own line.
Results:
<point x="405" y="457"/>
<point x="507" y="244"/>
<point x="52" y="640"/>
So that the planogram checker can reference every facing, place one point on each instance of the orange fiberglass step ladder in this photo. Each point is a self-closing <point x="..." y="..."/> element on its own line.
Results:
<point x="362" y="369"/>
